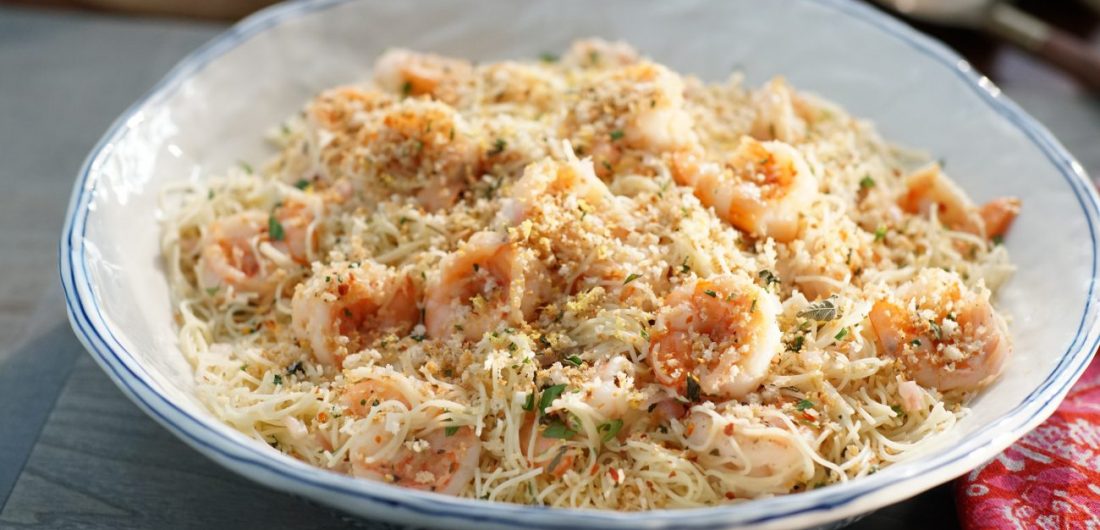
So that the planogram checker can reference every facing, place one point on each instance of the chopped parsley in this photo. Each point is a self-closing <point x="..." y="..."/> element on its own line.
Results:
<point x="278" y="379"/>
<point x="897" y="410"/>
<point x="880" y="233"/>
<point x="617" y="134"/>
<point x="529" y="403"/>
<point x="998" y="240"/>
<point x="768" y="276"/>
<point x="574" y="360"/>
<point x="914" y="342"/>
<point x="498" y="147"/>
<point x="406" y="88"/>
<point x="867" y="182"/>
<point x="693" y="389"/>
<point x="795" y="344"/>
<point x="710" y="293"/>
<point x="804" y="404"/>
<point x="557" y="429"/>
<point x="211" y="290"/>
<point x="631" y="278"/>
<point x="610" y="429"/>
<point x="821" y="310"/>
<point x="936" y="329"/>
<point x="549" y="394"/>
<point x="841" y="334"/>
<point x="301" y="184"/>
<point x="548" y="57"/>
<point x="275" y="228"/>
<point x="450" y="430"/>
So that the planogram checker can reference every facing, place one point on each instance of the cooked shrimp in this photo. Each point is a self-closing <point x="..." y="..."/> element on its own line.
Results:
<point x="599" y="53"/>
<point x="552" y="454"/>
<point x="486" y="283"/>
<point x="640" y="106"/>
<point x="244" y="250"/>
<point x="948" y="335"/>
<point x="344" y="306"/>
<point x="547" y="178"/>
<point x="441" y="461"/>
<point x="928" y="187"/>
<point x="422" y="148"/>
<point x="761" y="190"/>
<point x="524" y="87"/>
<point x="779" y="113"/>
<point x="343" y="109"/>
<point x="611" y="390"/>
<point x="413" y="74"/>
<point x="762" y="449"/>
<point x="718" y="334"/>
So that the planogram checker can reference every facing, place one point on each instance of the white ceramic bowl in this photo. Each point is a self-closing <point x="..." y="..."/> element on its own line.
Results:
<point x="209" y="112"/>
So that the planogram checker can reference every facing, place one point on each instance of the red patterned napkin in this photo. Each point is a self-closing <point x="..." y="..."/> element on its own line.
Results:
<point x="1048" y="479"/>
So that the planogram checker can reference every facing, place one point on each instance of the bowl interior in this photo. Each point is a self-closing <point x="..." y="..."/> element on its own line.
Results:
<point x="216" y="114"/>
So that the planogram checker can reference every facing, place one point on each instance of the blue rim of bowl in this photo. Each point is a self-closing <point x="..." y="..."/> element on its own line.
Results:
<point x="120" y="364"/>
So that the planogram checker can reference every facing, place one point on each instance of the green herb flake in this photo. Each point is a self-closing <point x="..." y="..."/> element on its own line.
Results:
<point x="880" y="233"/>
<point x="609" y="430"/>
<point x="574" y="360"/>
<point x="804" y="404"/>
<point x="867" y="182"/>
<point x="710" y="293"/>
<point x="936" y="329"/>
<point x="498" y="147"/>
<point x="631" y="278"/>
<point x="406" y="88"/>
<point x="548" y="396"/>
<point x="557" y="429"/>
<point x="796" y="343"/>
<point x="211" y="291"/>
<point x="841" y="334"/>
<point x="275" y="228"/>
<point x="548" y="57"/>
<point x="694" y="391"/>
<point x="768" y="276"/>
<point x="529" y="403"/>
<point x="998" y="240"/>
<point x="246" y="167"/>
<point x="278" y="379"/>
<point x="301" y="184"/>
<point x="915" y="342"/>
<point x="821" y="310"/>
<point x="617" y="134"/>
<point x="450" y="431"/>
<point x="897" y="410"/>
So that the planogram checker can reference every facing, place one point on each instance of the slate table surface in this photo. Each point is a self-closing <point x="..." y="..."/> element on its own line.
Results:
<point x="74" y="452"/>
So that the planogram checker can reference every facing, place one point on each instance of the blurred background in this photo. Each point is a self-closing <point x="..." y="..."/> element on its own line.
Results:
<point x="75" y="453"/>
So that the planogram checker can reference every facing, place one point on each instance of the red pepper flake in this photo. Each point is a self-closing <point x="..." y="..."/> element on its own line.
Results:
<point x="728" y="429"/>
<point x="730" y="495"/>
<point x="808" y="416"/>
<point x="614" y="473"/>
<point x="342" y="289"/>
<point x="595" y="469"/>
<point x="322" y="416"/>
